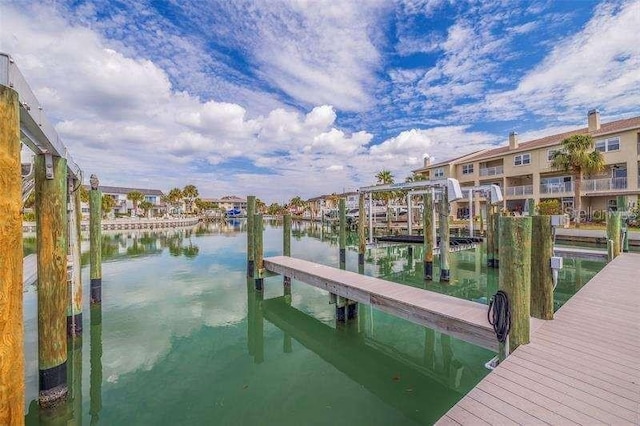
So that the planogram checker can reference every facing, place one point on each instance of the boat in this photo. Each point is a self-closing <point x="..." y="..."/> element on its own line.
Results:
<point x="234" y="212"/>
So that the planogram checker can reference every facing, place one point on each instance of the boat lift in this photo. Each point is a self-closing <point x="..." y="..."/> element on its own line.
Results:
<point x="491" y="192"/>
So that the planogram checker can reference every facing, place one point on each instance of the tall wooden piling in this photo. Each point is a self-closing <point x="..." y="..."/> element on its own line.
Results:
<point x="95" y="238"/>
<point x="11" y="317"/>
<point x="621" y="202"/>
<point x="51" y="229"/>
<point x="362" y="244"/>
<point x="444" y="237"/>
<point x="496" y="239"/>
<point x="286" y="251"/>
<point x="95" y="360"/>
<point x="251" y="211"/>
<point x="427" y="231"/>
<point x="613" y="234"/>
<point x="514" y="277"/>
<point x="491" y="232"/>
<point x="258" y="236"/>
<point x="74" y="309"/>
<point x="342" y="236"/>
<point x="541" y="273"/>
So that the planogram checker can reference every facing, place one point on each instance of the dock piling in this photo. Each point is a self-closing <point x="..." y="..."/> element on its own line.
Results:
<point x="74" y="309"/>
<point x="427" y="231"/>
<point x="541" y="273"/>
<point x="362" y="244"/>
<point x="11" y="313"/>
<point x="444" y="237"/>
<point x="51" y="230"/>
<point x="614" y="223"/>
<point x="258" y="236"/>
<point x="286" y="251"/>
<point x="342" y="236"/>
<point x="514" y="233"/>
<point x="251" y="211"/>
<point x="95" y="237"/>
<point x="491" y="231"/>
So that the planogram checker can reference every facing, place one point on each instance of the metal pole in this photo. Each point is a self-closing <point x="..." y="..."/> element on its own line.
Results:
<point x="470" y="213"/>
<point x="409" y="214"/>
<point x="370" y="218"/>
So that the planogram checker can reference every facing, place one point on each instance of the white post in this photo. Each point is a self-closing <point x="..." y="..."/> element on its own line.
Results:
<point x="470" y="212"/>
<point x="409" y="213"/>
<point x="371" y="218"/>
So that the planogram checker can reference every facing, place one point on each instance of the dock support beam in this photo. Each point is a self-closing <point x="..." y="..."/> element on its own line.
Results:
<point x="427" y="231"/>
<point x="74" y="309"/>
<point x="362" y="244"/>
<point x="286" y="251"/>
<point x="95" y="237"/>
<point x="342" y="236"/>
<point x="613" y="234"/>
<point x="251" y="211"/>
<point x="11" y="316"/>
<point x="258" y="236"/>
<point x="515" y="275"/>
<point x="444" y="237"/>
<point x="51" y="228"/>
<point x="541" y="273"/>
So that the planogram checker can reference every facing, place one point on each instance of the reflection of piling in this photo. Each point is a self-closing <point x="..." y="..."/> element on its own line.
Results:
<point x="258" y="235"/>
<point x="95" y="360"/>
<point x="427" y="231"/>
<point x="613" y="235"/>
<point x="343" y="231"/>
<point x="74" y="309"/>
<point x="444" y="237"/>
<point x="429" y="347"/>
<point x="75" y="380"/>
<point x="286" y="250"/>
<point x="515" y="274"/>
<point x="362" y="245"/>
<point x="258" y="328"/>
<point x="541" y="274"/>
<point x="12" y="349"/>
<point x="251" y="211"/>
<point x="95" y="236"/>
<point x="51" y="228"/>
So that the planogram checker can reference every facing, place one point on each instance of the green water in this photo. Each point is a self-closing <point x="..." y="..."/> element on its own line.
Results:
<point x="182" y="338"/>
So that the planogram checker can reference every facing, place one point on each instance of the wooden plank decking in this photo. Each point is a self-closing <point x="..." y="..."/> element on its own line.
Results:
<point x="581" y="368"/>
<point x="462" y="319"/>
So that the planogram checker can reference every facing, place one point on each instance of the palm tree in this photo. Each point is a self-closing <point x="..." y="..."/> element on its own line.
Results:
<point x="107" y="204"/>
<point x="578" y="157"/>
<point x="146" y="206"/>
<point x="298" y="203"/>
<point x="175" y="197"/>
<point x="261" y="206"/>
<point x="135" y="197"/>
<point x="189" y="194"/>
<point x="385" y="177"/>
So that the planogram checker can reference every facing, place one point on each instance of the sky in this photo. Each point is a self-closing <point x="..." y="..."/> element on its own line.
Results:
<point x="278" y="98"/>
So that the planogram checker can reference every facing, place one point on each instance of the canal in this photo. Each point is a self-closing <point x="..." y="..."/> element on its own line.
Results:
<point x="181" y="337"/>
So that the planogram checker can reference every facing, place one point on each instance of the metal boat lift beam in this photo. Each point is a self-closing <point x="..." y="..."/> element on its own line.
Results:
<point x="35" y="129"/>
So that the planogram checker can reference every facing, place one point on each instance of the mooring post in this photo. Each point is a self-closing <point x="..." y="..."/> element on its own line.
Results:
<point x="95" y="237"/>
<point x="514" y="277"/>
<point x="482" y="213"/>
<point x="74" y="308"/>
<point x="258" y="236"/>
<point x="444" y="237"/>
<point x="531" y="206"/>
<point x="613" y="233"/>
<point x="51" y="230"/>
<point x="362" y="244"/>
<point x="286" y="251"/>
<point x="251" y="211"/>
<point x="470" y="213"/>
<point x="491" y="232"/>
<point x="342" y="236"/>
<point x="371" y="213"/>
<point x="11" y="316"/>
<point x="95" y="361"/>
<point x="409" y="215"/>
<point x="427" y="231"/>
<point x="541" y="272"/>
<point x="496" y="239"/>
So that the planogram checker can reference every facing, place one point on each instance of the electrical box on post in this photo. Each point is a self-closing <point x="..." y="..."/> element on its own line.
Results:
<point x="556" y="262"/>
<point x="557" y="220"/>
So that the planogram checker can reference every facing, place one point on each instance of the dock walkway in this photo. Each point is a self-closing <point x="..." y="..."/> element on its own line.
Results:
<point x="581" y="368"/>
<point x="459" y="318"/>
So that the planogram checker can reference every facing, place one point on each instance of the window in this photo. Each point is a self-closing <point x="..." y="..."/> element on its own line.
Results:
<point x="606" y="145"/>
<point x="522" y="159"/>
<point x="438" y="172"/>
<point x="551" y="153"/>
<point x="467" y="169"/>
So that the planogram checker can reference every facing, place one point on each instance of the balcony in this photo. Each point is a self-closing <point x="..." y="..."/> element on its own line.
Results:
<point x="492" y="171"/>
<point x="515" y="191"/>
<point x="603" y="185"/>
<point x="556" y="188"/>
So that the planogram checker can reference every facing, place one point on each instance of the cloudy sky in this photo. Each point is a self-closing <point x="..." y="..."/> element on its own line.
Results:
<point x="301" y="97"/>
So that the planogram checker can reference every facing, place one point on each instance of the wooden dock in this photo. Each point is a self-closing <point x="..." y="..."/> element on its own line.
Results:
<point x="29" y="269"/>
<point x="581" y="368"/>
<point x="459" y="318"/>
<point x="580" y="253"/>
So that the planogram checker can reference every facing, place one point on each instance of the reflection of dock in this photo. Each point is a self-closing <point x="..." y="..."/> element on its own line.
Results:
<point x="459" y="318"/>
<point x="581" y="367"/>
<point x="393" y="380"/>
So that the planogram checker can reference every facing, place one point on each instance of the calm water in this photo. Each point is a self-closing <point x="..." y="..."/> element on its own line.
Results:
<point x="181" y="338"/>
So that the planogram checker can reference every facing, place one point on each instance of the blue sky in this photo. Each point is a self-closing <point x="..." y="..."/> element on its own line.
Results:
<point x="283" y="98"/>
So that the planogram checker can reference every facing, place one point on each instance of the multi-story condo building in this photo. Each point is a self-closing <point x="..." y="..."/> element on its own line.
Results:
<point x="523" y="169"/>
<point x="123" y="206"/>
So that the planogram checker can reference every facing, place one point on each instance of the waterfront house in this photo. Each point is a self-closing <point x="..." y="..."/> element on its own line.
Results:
<point x="123" y="206"/>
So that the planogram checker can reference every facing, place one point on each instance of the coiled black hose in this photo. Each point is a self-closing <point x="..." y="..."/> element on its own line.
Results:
<point x="499" y="315"/>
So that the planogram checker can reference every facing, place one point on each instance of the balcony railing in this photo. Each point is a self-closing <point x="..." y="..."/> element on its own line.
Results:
<point x="491" y="171"/>
<point x="595" y="185"/>
<point x="520" y="190"/>
<point x="556" y="188"/>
